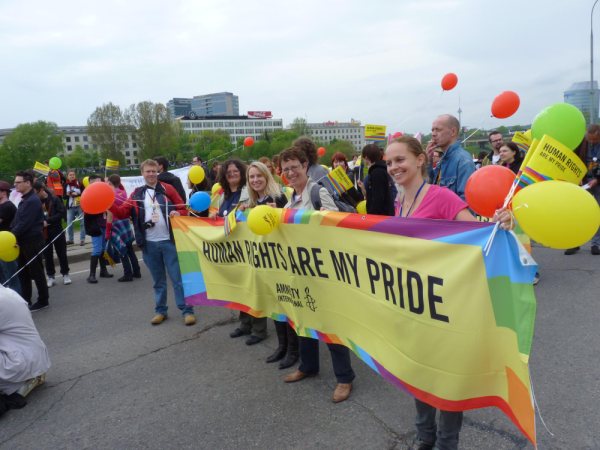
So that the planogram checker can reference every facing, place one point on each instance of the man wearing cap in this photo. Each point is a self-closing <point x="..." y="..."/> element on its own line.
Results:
<point x="7" y="214"/>
<point x="28" y="226"/>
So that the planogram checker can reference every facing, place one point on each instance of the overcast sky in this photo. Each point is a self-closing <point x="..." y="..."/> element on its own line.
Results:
<point x="380" y="62"/>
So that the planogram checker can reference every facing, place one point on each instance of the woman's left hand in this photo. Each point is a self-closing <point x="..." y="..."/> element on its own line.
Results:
<point x="174" y="213"/>
<point x="505" y="218"/>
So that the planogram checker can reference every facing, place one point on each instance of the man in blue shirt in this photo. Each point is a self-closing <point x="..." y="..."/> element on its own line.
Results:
<point x="456" y="166"/>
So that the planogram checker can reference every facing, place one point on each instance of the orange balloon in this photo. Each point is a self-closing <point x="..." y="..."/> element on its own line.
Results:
<point x="487" y="188"/>
<point x="97" y="198"/>
<point x="449" y="81"/>
<point x="321" y="151"/>
<point x="505" y="104"/>
<point x="249" y="141"/>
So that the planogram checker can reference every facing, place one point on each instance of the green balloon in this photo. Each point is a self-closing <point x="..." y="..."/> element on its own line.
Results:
<point x="55" y="163"/>
<point x="563" y="122"/>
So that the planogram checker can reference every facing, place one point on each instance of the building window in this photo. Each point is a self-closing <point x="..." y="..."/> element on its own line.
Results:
<point x="68" y="139"/>
<point x="69" y="148"/>
<point x="134" y="145"/>
<point x="76" y="138"/>
<point x="85" y="139"/>
<point x="86" y="147"/>
<point x="127" y="153"/>
<point x="95" y="146"/>
<point x="135" y="161"/>
<point x="126" y="144"/>
<point x="135" y="153"/>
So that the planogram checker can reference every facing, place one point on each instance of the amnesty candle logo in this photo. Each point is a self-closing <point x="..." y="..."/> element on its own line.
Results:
<point x="310" y="301"/>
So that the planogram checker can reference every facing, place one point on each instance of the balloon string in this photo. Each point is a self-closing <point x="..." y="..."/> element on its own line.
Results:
<point x="537" y="408"/>
<point x="76" y="219"/>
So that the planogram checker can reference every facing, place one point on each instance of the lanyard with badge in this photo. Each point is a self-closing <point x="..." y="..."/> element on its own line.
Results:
<point x="155" y="207"/>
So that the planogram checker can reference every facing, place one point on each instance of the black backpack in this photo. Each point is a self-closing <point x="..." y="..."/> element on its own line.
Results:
<point x="315" y="199"/>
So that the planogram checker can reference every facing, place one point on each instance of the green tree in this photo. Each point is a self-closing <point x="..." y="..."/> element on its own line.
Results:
<point x="108" y="128"/>
<point x="78" y="158"/>
<point x="28" y="143"/>
<point x="213" y="145"/>
<point x="345" y="147"/>
<point x="299" y="126"/>
<point x="156" y="134"/>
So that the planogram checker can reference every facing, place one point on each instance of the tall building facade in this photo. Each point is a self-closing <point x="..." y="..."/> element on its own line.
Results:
<point x="237" y="127"/>
<point x="219" y="104"/>
<point x="581" y="96"/>
<point x="179" y="106"/>
<point x="351" y="131"/>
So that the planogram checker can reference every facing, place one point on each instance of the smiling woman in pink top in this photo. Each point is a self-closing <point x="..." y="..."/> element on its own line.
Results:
<point x="407" y="165"/>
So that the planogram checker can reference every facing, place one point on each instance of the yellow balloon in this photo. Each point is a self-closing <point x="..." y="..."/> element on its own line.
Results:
<point x="557" y="214"/>
<point x="85" y="181"/>
<point x="216" y="187"/>
<point x="9" y="254"/>
<point x="263" y="219"/>
<point x="196" y="174"/>
<point x="9" y="251"/>
<point x="361" y="208"/>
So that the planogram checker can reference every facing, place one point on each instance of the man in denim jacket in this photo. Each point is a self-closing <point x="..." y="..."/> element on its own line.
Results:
<point x="456" y="165"/>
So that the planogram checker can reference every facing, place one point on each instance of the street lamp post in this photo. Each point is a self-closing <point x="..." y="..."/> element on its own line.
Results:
<point x="592" y="106"/>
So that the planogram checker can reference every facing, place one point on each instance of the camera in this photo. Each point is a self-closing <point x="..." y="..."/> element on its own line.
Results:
<point x="596" y="172"/>
<point x="148" y="224"/>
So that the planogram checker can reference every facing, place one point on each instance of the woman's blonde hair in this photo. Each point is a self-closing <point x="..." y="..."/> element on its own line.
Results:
<point x="273" y="190"/>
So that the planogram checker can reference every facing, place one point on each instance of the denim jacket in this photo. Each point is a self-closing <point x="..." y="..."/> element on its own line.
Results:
<point x="456" y="167"/>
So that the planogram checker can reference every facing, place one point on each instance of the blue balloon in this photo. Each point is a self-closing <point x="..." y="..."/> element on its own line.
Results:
<point x="200" y="201"/>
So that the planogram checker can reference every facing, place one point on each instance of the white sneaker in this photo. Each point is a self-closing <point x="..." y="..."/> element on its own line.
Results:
<point x="51" y="282"/>
<point x="67" y="279"/>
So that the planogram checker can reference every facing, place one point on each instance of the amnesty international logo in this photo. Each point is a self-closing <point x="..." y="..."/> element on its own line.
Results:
<point x="311" y="303"/>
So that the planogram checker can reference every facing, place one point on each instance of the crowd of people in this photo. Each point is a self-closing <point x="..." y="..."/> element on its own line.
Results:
<point x="404" y="179"/>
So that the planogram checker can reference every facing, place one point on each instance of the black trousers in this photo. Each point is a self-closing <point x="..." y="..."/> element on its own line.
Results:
<point x="60" y="245"/>
<point x="340" y="357"/>
<point x="33" y="272"/>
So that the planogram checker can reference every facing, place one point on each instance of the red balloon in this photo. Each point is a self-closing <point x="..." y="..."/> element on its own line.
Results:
<point x="321" y="151"/>
<point x="397" y="134"/>
<point x="449" y="81"/>
<point x="249" y="141"/>
<point x="97" y="198"/>
<point x="487" y="188"/>
<point x="505" y="104"/>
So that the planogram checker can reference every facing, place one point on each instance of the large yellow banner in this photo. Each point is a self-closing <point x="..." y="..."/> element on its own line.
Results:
<point x="454" y="335"/>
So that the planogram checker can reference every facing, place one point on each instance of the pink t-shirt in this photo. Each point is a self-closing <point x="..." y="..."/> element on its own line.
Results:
<point x="439" y="203"/>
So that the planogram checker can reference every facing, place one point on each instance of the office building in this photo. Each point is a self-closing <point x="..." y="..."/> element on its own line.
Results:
<point x="179" y="107"/>
<point x="581" y="96"/>
<point x="219" y="104"/>
<point x="351" y="131"/>
<point x="237" y="127"/>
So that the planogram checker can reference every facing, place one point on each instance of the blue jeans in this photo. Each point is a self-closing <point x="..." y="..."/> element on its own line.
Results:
<point x="71" y="214"/>
<point x="7" y="270"/>
<point x="159" y="256"/>
<point x="445" y="434"/>
<point x="98" y="243"/>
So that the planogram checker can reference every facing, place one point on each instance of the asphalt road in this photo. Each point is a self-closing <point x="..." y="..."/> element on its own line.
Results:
<point x="119" y="383"/>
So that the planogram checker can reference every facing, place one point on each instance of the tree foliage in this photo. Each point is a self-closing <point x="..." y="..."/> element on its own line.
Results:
<point x="28" y="143"/>
<point x="108" y="128"/>
<point x="155" y="132"/>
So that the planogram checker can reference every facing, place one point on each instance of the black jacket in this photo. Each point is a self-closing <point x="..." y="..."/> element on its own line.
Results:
<point x="380" y="190"/>
<point x="29" y="220"/>
<point x="56" y="213"/>
<point x="173" y="180"/>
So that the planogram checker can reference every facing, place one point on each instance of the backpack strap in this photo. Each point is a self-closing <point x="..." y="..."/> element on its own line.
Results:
<point x="315" y="197"/>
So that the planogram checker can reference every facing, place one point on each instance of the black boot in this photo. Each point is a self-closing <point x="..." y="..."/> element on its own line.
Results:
<point x="292" y="354"/>
<point x="103" y="272"/>
<point x="281" y="329"/>
<point x="93" y="265"/>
